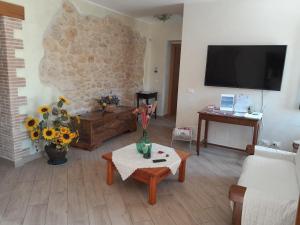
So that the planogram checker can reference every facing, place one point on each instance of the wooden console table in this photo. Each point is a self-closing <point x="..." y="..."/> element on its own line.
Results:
<point x="96" y="127"/>
<point x="224" y="117"/>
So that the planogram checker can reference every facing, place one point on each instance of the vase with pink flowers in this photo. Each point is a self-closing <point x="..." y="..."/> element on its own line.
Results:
<point x="144" y="145"/>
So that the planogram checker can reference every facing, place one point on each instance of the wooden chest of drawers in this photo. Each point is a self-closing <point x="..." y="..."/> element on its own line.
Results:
<point x="96" y="127"/>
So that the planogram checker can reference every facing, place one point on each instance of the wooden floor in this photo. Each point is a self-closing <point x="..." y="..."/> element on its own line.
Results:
<point x="76" y="193"/>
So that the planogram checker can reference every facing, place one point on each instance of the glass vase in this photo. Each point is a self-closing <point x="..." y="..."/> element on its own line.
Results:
<point x="144" y="145"/>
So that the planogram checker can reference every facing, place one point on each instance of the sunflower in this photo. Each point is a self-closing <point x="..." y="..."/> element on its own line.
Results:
<point x="35" y="135"/>
<point x="73" y="135"/>
<point x="64" y="100"/>
<point x="43" y="109"/>
<point x="65" y="130"/>
<point x="31" y="123"/>
<point x="66" y="138"/>
<point x="49" y="134"/>
<point x="57" y="134"/>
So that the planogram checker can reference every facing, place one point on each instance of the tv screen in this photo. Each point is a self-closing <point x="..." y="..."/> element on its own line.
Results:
<point x="253" y="67"/>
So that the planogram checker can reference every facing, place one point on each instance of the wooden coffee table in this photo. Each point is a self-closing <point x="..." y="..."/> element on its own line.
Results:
<point x="149" y="176"/>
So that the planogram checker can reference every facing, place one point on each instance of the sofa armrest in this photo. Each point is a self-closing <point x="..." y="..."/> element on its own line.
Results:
<point x="236" y="193"/>
<point x="274" y="153"/>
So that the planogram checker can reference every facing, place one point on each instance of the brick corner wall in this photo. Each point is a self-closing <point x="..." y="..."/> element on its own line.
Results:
<point x="12" y="134"/>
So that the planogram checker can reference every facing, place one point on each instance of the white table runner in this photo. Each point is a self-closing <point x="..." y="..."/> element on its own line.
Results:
<point x="127" y="159"/>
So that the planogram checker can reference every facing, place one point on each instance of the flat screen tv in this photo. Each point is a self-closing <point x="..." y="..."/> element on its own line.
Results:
<point x="254" y="67"/>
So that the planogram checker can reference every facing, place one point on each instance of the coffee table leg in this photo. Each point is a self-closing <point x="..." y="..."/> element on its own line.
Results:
<point x="152" y="190"/>
<point x="110" y="173"/>
<point x="181" y="176"/>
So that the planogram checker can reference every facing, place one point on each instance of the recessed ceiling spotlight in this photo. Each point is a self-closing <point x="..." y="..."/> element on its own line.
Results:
<point x="163" y="17"/>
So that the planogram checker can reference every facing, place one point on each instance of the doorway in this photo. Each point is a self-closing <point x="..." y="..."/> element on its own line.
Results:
<point x="174" y="77"/>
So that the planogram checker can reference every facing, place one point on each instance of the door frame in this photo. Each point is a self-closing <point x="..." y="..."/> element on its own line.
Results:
<point x="171" y="72"/>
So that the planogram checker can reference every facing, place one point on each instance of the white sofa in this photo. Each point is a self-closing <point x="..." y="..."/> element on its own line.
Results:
<point x="268" y="189"/>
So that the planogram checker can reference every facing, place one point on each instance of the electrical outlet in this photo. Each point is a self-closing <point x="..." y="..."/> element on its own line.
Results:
<point x="191" y="90"/>
<point x="276" y="144"/>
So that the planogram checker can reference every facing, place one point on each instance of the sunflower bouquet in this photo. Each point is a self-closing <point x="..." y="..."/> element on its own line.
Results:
<point x="56" y="126"/>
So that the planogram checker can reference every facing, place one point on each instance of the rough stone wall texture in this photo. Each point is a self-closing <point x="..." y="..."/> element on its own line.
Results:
<point x="12" y="132"/>
<point x="86" y="57"/>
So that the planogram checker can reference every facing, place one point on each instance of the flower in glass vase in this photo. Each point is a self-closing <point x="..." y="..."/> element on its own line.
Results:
<point x="144" y="145"/>
<point x="56" y="129"/>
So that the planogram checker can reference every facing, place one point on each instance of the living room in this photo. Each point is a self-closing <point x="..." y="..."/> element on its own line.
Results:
<point x="116" y="112"/>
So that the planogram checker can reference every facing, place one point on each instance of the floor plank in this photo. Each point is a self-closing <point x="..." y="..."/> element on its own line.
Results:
<point x="117" y="210"/>
<point x="176" y="211"/>
<point x="77" y="205"/>
<point x="57" y="209"/>
<point x="13" y="216"/>
<point x="98" y="215"/>
<point x="159" y="215"/>
<point x="36" y="215"/>
<point x="77" y="194"/>
<point x="138" y="213"/>
<point x="40" y="193"/>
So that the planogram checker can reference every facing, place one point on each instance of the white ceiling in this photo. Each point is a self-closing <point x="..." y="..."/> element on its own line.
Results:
<point x="144" y="8"/>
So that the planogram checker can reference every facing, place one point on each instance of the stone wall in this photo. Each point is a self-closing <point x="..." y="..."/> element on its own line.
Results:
<point x="12" y="132"/>
<point x="86" y="57"/>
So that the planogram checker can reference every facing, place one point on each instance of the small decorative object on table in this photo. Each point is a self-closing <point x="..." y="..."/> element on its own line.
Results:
<point x="144" y="145"/>
<point x="55" y="131"/>
<point x="227" y="102"/>
<point x="108" y="103"/>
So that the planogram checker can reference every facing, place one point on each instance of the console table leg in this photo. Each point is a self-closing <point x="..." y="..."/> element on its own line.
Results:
<point x="155" y="113"/>
<point x="250" y="149"/>
<point x="205" y="134"/>
<point x="110" y="173"/>
<point x="152" y="190"/>
<point x="181" y="176"/>
<point x="199" y="135"/>
<point x="255" y="134"/>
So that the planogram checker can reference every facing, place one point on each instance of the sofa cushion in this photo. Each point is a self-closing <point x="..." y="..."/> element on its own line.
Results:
<point x="274" y="153"/>
<point x="297" y="162"/>
<point x="272" y="176"/>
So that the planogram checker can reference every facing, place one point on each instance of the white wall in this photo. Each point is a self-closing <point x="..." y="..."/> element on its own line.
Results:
<point x="161" y="33"/>
<point x="241" y="22"/>
<point x="38" y="16"/>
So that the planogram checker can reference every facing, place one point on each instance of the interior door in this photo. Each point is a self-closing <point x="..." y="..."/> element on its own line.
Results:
<point x="174" y="77"/>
